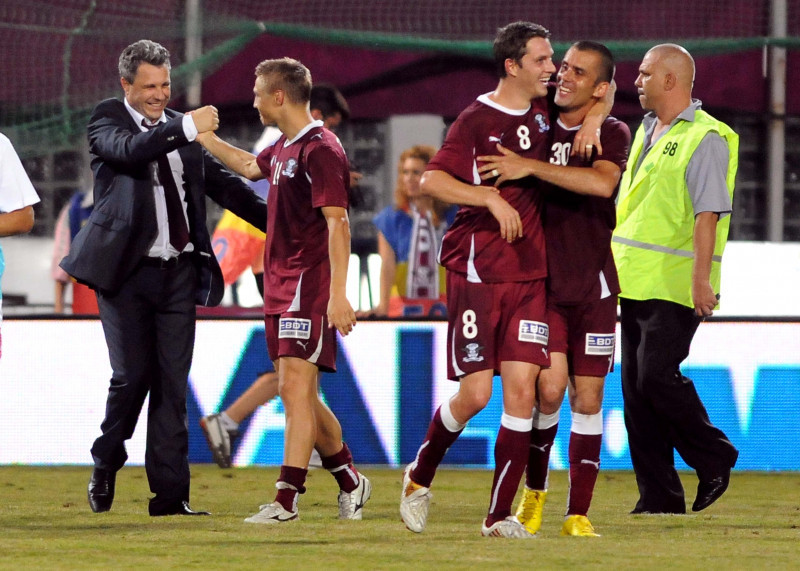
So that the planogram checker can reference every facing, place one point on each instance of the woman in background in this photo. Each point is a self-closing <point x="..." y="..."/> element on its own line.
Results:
<point x="412" y="283"/>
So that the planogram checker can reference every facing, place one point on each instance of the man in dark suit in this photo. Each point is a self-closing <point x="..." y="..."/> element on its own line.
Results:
<point x="146" y="251"/>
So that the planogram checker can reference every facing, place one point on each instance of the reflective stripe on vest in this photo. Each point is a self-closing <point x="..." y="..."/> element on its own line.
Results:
<point x="657" y="248"/>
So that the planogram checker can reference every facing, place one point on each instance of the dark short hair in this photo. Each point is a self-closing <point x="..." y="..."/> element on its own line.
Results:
<point x="329" y="101"/>
<point x="143" y="51"/>
<point x="607" y="67"/>
<point x="511" y="42"/>
<point x="289" y="75"/>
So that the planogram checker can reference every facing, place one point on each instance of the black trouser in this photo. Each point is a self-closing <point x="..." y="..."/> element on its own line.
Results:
<point x="149" y="327"/>
<point x="663" y="412"/>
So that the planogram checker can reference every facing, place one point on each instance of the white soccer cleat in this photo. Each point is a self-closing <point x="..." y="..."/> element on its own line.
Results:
<point x="271" y="514"/>
<point x="509" y="527"/>
<point x="350" y="505"/>
<point x="219" y="439"/>
<point x="415" y="500"/>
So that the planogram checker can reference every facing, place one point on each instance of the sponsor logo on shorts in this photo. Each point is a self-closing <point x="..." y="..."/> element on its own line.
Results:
<point x="473" y="353"/>
<point x="293" y="328"/>
<point x="533" y="331"/>
<point x="599" y="344"/>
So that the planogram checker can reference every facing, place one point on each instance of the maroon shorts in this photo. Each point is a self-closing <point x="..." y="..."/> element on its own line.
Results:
<point x="489" y="323"/>
<point x="585" y="334"/>
<point x="302" y="335"/>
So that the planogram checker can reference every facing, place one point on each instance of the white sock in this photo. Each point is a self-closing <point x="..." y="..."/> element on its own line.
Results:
<point x="515" y="423"/>
<point x="542" y="421"/>
<point x="449" y="421"/>
<point x="589" y="424"/>
<point x="227" y="422"/>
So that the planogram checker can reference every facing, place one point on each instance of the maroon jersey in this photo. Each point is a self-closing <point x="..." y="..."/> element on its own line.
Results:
<point x="473" y="246"/>
<point x="305" y="174"/>
<point x="578" y="227"/>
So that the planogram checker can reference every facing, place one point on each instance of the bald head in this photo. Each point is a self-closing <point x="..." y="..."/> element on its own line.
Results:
<point x="666" y="76"/>
<point x="675" y="60"/>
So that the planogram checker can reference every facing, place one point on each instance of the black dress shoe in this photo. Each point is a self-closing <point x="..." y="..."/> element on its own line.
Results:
<point x="180" y="508"/>
<point x="101" y="490"/>
<point x="709" y="491"/>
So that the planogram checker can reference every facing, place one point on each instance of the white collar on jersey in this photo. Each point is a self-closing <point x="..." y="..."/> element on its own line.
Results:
<point x="303" y="131"/>
<point x="486" y="100"/>
<point x="575" y="128"/>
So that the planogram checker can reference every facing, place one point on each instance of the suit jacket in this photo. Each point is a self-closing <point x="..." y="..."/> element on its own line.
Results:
<point x="123" y="224"/>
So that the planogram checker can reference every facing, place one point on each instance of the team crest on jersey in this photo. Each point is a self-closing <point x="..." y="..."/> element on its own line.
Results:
<point x="544" y="126"/>
<point x="290" y="169"/>
<point x="533" y="331"/>
<point x="473" y="351"/>
<point x="293" y="328"/>
<point x="599" y="344"/>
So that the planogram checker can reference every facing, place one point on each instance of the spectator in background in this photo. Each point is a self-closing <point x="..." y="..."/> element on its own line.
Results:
<point x="70" y="220"/>
<point x="238" y="245"/>
<point x="412" y="283"/>
<point x="17" y="197"/>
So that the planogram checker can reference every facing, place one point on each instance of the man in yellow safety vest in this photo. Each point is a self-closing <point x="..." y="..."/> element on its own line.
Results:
<point x="672" y="224"/>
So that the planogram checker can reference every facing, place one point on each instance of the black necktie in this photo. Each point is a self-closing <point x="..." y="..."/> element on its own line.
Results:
<point x="178" y="232"/>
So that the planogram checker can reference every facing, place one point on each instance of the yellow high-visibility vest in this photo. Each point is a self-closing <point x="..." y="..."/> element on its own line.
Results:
<point x="652" y="242"/>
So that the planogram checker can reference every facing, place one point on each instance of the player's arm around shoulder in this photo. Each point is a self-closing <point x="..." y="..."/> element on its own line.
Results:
<point x="340" y="312"/>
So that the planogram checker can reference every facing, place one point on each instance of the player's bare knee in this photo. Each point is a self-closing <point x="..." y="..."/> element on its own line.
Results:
<point x="587" y="407"/>
<point x="549" y="398"/>
<point x="468" y="403"/>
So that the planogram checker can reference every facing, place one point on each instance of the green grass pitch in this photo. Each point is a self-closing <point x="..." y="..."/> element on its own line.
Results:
<point x="46" y="523"/>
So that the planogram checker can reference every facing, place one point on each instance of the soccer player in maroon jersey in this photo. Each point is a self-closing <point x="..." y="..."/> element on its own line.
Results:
<point x="305" y="261"/>
<point x="582" y="283"/>
<point x="494" y="254"/>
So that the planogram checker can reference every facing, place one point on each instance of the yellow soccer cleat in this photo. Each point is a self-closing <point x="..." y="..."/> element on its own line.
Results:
<point x="578" y="526"/>
<point x="529" y="511"/>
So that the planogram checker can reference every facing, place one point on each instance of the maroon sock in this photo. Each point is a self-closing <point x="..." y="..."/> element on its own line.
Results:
<point x="584" y="463"/>
<point x="340" y="465"/>
<point x="291" y="482"/>
<point x="509" y="461"/>
<point x="437" y="441"/>
<point x="539" y="457"/>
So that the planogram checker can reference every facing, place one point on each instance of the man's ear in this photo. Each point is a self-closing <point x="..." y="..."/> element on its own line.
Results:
<point x="600" y="90"/>
<point x="279" y="95"/>
<point x="670" y="79"/>
<point x="512" y="67"/>
<point x="316" y="114"/>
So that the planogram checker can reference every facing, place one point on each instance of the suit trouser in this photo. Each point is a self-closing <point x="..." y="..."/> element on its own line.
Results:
<point x="149" y="325"/>
<point x="663" y="412"/>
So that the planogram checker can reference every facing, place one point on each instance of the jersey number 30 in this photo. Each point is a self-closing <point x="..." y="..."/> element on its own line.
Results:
<point x="560" y="153"/>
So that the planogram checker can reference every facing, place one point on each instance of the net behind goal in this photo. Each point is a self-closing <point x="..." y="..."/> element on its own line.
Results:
<point x="59" y="57"/>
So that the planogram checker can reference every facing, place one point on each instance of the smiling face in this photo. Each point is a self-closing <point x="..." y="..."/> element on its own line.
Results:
<point x="578" y="83"/>
<point x="536" y="67"/>
<point x="150" y="91"/>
